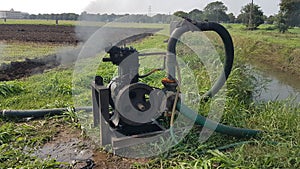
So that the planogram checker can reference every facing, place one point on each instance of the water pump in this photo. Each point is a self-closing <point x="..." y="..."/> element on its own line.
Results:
<point x="128" y="109"/>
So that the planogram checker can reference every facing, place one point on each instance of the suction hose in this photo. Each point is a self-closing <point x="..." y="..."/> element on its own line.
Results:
<point x="212" y="125"/>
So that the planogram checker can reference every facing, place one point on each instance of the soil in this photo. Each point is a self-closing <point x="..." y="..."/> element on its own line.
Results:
<point x="28" y="67"/>
<point x="39" y="33"/>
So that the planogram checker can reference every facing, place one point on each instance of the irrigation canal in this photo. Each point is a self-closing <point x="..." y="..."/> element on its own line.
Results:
<point x="280" y="85"/>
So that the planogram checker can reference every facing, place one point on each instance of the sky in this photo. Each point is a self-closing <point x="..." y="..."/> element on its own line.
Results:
<point x="269" y="7"/>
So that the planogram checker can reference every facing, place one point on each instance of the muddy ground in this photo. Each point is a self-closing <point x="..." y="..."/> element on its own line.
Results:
<point x="53" y="34"/>
<point x="69" y="146"/>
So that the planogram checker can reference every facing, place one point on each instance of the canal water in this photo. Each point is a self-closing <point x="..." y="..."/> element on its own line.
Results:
<point x="279" y="85"/>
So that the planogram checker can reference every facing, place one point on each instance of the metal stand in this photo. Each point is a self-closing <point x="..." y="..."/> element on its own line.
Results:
<point x="122" y="137"/>
<point x="100" y="95"/>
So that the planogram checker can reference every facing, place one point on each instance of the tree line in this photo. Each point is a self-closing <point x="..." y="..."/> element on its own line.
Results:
<point x="251" y="15"/>
<point x="139" y="18"/>
<point x="63" y="16"/>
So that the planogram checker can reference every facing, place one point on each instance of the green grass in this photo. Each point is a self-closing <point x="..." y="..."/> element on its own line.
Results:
<point x="164" y="27"/>
<point x="49" y="90"/>
<point x="289" y="39"/>
<point x="38" y="22"/>
<point x="266" y="47"/>
<point x="53" y="89"/>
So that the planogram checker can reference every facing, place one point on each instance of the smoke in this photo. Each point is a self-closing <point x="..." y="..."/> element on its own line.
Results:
<point x="68" y="55"/>
<point x="2" y="48"/>
<point x="97" y="38"/>
<point x="119" y="6"/>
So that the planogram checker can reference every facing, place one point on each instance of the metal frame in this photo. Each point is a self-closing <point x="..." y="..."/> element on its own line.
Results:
<point x="111" y="136"/>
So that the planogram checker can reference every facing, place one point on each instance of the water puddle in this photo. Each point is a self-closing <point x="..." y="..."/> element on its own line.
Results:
<point x="71" y="147"/>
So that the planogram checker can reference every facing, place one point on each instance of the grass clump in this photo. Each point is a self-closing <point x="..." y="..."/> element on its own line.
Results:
<point x="10" y="88"/>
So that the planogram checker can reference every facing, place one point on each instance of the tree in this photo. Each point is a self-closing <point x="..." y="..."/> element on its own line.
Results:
<point x="231" y="18"/>
<point x="290" y="9"/>
<point x="282" y="23"/>
<point x="196" y="14"/>
<point x="216" y="11"/>
<point x="162" y="18"/>
<point x="271" y="19"/>
<point x="181" y="14"/>
<point x="251" y="16"/>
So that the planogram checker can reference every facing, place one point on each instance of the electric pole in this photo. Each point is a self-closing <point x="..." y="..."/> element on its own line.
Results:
<point x="149" y="11"/>
<point x="250" y="18"/>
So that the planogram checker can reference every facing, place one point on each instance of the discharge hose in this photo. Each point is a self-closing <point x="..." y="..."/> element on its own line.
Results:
<point x="40" y="113"/>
